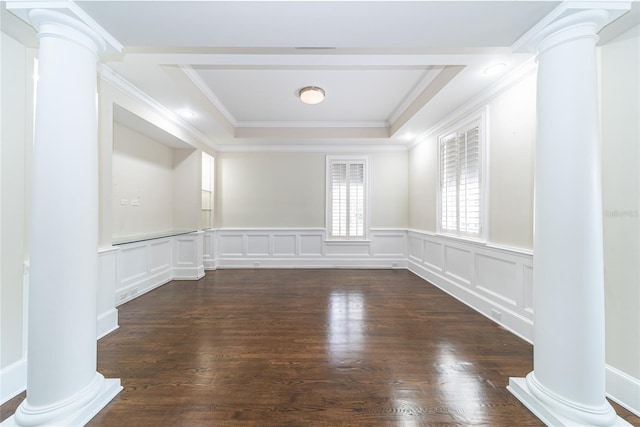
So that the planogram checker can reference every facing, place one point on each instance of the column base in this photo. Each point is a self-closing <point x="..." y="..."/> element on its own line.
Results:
<point x="77" y="417"/>
<point x="550" y="414"/>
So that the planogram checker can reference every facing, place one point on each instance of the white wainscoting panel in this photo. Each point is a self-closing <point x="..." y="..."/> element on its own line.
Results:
<point x="433" y="254"/>
<point x="311" y="244"/>
<point x="308" y="248"/>
<point x="527" y="280"/>
<point x="188" y="256"/>
<point x="143" y="266"/>
<point x="258" y="244"/>
<point x="284" y="245"/>
<point x="496" y="277"/>
<point x="390" y="243"/>
<point x="13" y="380"/>
<point x="208" y="249"/>
<point x="107" y="320"/>
<point x="623" y="389"/>
<point x="458" y="263"/>
<point x="159" y="255"/>
<point x="416" y="249"/>
<point x="230" y="245"/>
<point x="494" y="281"/>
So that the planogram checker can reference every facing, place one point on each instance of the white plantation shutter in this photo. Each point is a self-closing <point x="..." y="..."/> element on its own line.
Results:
<point x="460" y="181"/>
<point x="338" y="199"/>
<point x="347" y="199"/>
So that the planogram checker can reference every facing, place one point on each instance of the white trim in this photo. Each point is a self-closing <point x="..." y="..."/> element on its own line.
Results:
<point x="306" y="248"/>
<point x="297" y="148"/>
<point x="623" y="389"/>
<point x="107" y="322"/>
<point x="549" y="412"/>
<point x="13" y="380"/>
<point x="208" y="93"/>
<point x="472" y="287"/>
<point x="315" y="124"/>
<point x="120" y="83"/>
<point x="146" y="265"/>
<point x="498" y="88"/>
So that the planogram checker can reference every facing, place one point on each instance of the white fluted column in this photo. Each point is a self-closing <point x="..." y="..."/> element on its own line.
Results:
<point x="63" y="387"/>
<point x="567" y="385"/>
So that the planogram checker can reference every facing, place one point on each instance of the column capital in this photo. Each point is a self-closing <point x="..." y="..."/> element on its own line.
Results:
<point x="50" y="23"/>
<point x="569" y="21"/>
<point x="50" y="17"/>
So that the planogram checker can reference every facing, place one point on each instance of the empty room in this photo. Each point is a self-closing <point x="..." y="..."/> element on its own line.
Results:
<point x="320" y="213"/>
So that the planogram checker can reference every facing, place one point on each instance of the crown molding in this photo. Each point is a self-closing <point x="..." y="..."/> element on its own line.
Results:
<point x="507" y="82"/>
<point x="120" y="83"/>
<point x="299" y="148"/>
<point x="208" y="93"/>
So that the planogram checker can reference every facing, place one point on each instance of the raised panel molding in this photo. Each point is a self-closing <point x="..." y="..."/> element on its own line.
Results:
<point x="107" y="320"/>
<point x="491" y="280"/>
<point x="496" y="277"/>
<point x="284" y="245"/>
<point x="433" y="254"/>
<point x="143" y="266"/>
<point x="416" y="246"/>
<point x="307" y="247"/>
<point x="458" y="264"/>
<point x="310" y="244"/>
<point x="258" y="244"/>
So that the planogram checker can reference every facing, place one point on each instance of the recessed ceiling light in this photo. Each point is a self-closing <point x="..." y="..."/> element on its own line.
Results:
<point x="311" y="95"/>
<point x="187" y="114"/>
<point x="495" y="69"/>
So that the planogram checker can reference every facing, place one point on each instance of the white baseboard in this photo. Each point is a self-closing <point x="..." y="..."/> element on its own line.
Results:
<point x="13" y="380"/>
<point x="623" y="389"/>
<point x="188" y="273"/>
<point x="230" y="263"/>
<point x="143" y="286"/>
<point x="107" y="322"/>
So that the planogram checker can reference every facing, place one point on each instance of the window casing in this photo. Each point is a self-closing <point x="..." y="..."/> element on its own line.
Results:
<point x="462" y="178"/>
<point x="347" y="198"/>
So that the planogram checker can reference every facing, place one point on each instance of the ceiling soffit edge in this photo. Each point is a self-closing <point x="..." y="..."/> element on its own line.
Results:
<point x="507" y="82"/>
<point x="114" y="79"/>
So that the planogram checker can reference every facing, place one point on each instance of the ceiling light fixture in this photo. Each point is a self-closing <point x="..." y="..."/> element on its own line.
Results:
<point x="311" y="95"/>
<point x="495" y="69"/>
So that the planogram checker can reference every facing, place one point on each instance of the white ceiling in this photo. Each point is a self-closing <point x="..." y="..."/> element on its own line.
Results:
<point x="390" y="69"/>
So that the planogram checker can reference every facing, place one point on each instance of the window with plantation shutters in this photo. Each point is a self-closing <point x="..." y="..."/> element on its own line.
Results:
<point x="460" y="181"/>
<point x="346" y="198"/>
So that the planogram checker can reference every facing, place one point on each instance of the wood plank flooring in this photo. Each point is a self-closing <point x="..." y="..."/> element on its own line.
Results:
<point x="309" y="348"/>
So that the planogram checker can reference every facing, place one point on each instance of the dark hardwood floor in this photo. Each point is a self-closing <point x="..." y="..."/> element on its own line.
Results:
<point x="309" y="348"/>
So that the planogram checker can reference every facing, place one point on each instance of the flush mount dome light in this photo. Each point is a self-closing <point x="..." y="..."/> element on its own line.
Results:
<point x="311" y="95"/>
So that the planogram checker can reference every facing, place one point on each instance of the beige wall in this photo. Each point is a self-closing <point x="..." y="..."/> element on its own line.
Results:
<point x="187" y="179"/>
<point x="423" y="185"/>
<point x="620" y="93"/>
<point x="108" y="97"/>
<point x="269" y="189"/>
<point x="511" y="161"/>
<point x="15" y="107"/>
<point x="389" y="189"/>
<point x="142" y="170"/>
<point x="511" y="137"/>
